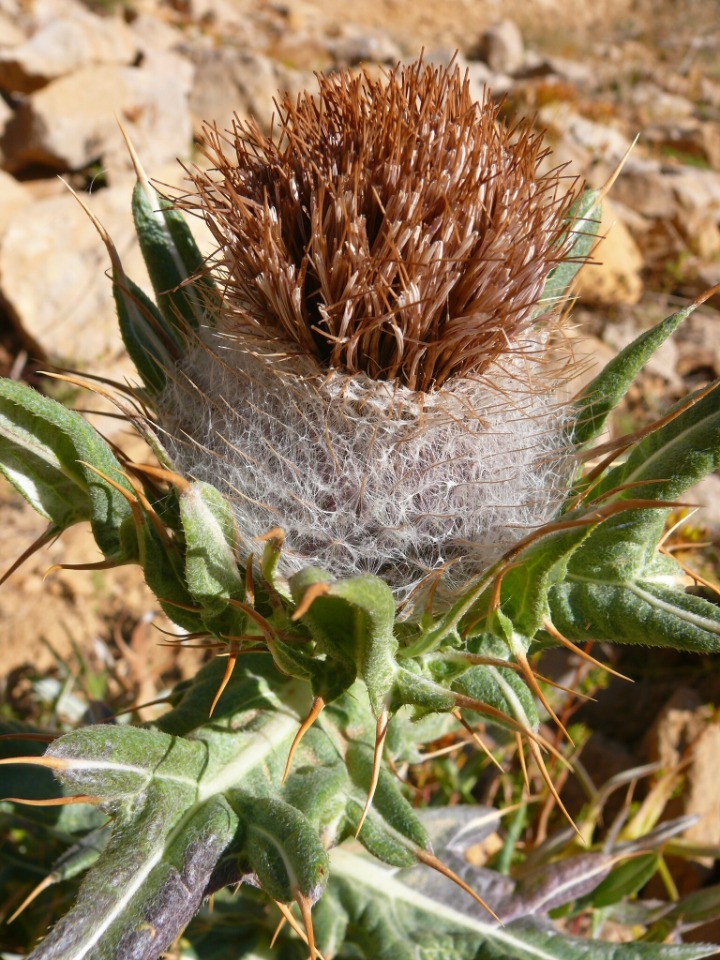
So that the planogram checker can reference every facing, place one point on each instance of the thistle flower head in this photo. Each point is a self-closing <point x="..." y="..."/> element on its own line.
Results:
<point x="375" y="382"/>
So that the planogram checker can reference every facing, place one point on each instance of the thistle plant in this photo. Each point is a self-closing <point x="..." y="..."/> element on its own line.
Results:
<point x="371" y="499"/>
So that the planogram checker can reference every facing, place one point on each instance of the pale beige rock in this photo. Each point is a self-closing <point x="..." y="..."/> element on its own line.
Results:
<point x="709" y="139"/>
<point x="229" y="16"/>
<point x="232" y="81"/>
<point x="707" y="275"/>
<point x="709" y="91"/>
<point x="61" y="46"/>
<point x="700" y="342"/>
<point x="481" y="77"/>
<point x="684" y="729"/>
<point x="156" y="114"/>
<point x="582" y="75"/>
<point x="355" y="44"/>
<point x="52" y="276"/>
<point x="703" y="788"/>
<point x="39" y="12"/>
<point x="151" y="34"/>
<point x="643" y="187"/>
<point x="599" y="140"/>
<point x="682" y="205"/>
<point x="40" y="188"/>
<point x="614" y="276"/>
<point x="72" y="122"/>
<point x="501" y="47"/>
<point x="655" y="105"/>
<point x="707" y="494"/>
<point x="53" y="279"/>
<point x="6" y="115"/>
<point x="303" y="50"/>
<point x="10" y="34"/>
<point x="698" y="210"/>
<point x="13" y="197"/>
<point x="679" y="722"/>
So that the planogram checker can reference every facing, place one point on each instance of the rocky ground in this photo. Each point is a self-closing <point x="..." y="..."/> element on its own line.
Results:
<point x="595" y="79"/>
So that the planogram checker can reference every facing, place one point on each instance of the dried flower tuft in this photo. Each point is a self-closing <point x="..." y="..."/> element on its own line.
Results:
<point x="394" y="228"/>
<point x="375" y="382"/>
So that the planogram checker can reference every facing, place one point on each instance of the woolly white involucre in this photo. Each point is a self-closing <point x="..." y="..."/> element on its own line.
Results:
<point x="367" y="476"/>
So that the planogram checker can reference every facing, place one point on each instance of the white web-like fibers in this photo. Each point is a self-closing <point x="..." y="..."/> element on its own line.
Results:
<point x="365" y="476"/>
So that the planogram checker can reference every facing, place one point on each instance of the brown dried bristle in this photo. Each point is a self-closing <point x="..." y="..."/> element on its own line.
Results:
<point x="391" y="226"/>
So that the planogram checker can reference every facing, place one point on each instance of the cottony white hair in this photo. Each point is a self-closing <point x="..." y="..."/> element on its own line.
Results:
<point x="367" y="476"/>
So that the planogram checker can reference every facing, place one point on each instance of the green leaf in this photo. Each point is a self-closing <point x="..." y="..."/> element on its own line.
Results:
<point x="502" y="689"/>
<point x="637" y="611"/>
<point x="29" y="783"/>
<point x="174" y="262"/>
<point x="353" y="621"/>
<point x="387" y="915"/>
<point x="625" y="880"/>
<point x="392" y="831"/>
<point x="281" y="847"/>
<point x="168" y="796"/>
<point x="44" y="449"/>
<point x="701" y="906"/>
<point x="616" y="586"/>
<point x="604" y="393"/>
<point x="212" y="573"/>
<point x="163" y="567"/>
<point x="141" y="326"/>
<point x="673" y="457"/>
<point x="584" y="215"/>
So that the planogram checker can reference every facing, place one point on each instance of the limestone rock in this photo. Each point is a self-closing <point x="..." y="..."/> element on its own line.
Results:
<point x="707" y="275"/>
<point x="698" y="209"/>
<point x="71" y="122"/>
<point x="6" y="115"/>
<point x="644" y="187"/>
<point x="708" y="138"/>
<point x="600" y="141"/>
<point x="10" y="34"/>
<point x="684" y="727"/>
<point x="681" y="205"/>
<point x="679" y="722"/>
<point x="581" y="75"/>
<point x="156" y="114"/>
<point x="52" y="276"/>
<point x="614" y="277"/>
<point x="61" y="46"/>
<point x="13" y="197"/>
<point x="53" y="273"/>
<point x="355" y="44"/>
<point x="481" y="77"/>
<point x="153" y="35"/>
<point x="501" y="47"/>
<point x="228" y="16"/>
<point x="231" y="80"/>
<point x="703" y="787"/>
<point x="655" y="105"/>
<point x="707" y="494"/>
